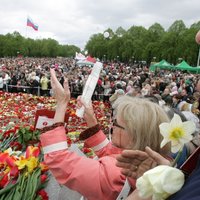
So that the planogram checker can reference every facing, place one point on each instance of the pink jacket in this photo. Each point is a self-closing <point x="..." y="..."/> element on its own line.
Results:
<point x="95" y="179"/>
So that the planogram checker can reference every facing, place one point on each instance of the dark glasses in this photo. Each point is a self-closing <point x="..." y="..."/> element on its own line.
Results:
<point x="117" y="125"/>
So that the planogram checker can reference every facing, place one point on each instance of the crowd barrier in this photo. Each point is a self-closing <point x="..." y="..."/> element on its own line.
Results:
<point x="28" y="89"/>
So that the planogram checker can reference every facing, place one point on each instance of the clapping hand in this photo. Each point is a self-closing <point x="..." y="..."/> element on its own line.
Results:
<point x="62" y="96"/>
<point x="134" y="162"/>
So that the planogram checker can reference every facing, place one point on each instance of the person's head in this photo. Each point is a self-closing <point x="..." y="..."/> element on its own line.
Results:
<point x="118" y="93"/>
<point x="198" y="86"/>
<point x="135" y="91"/>
<point x="196" y="95"/>
<point x="166" y="91"/>
<point x="184" y="92"/>
<point x="176" y="98"/>
<point x="138" y="121"/>
<point x="171" y="111"/>
<point x="152" y="98"/>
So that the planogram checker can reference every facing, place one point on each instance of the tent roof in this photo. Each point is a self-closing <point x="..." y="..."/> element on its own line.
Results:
<point x="163" y="64"/>
<point x="183" y="65"/>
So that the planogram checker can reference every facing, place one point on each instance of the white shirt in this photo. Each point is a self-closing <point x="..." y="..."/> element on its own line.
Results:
<point x="1" y="82"/>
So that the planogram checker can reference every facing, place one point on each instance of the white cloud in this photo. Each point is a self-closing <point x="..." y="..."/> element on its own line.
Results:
<point x="73" y="22"/>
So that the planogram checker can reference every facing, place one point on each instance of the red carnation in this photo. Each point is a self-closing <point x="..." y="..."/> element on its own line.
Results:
<point x="16" y="145"/>
<point x="43" y="195"/>
<point x="86" y="150"/>
<point x="8" y="133"/>
<point x="69" y="141"/>
<point x="43" y="178"/>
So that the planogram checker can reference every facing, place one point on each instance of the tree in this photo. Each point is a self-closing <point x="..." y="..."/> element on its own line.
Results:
<point x="120" y="31"/>
<point x="178" y="27"/>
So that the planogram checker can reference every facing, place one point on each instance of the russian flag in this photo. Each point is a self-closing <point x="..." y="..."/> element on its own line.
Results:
<point x="31" y="24"/>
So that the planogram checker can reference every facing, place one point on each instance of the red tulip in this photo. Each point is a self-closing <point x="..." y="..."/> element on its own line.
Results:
<point x="3" y="180"/>
<point x="14" y="172"/>
<point x="32" y="151"/>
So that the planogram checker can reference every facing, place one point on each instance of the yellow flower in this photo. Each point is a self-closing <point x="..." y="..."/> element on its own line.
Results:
<point x="176" y="132"/>
<point x="74" y="133"/>
<point x="32" y="163"/>
<point x="21" y="163"/>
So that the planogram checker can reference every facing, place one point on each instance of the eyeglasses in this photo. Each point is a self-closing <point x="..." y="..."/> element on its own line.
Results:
<point x="117" y="125"/>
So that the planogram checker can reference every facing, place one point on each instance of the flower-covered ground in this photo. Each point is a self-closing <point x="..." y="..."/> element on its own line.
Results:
<point x="20" y="108"/>
<point x="19" y="170"/>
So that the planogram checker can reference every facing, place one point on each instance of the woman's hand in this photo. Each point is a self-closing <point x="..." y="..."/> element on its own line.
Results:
<point x="62" y="96"/>
<point x="134" y="162"/>
<point x="89" y="114"/>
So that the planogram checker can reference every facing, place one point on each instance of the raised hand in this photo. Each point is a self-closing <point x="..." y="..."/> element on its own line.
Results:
<point x="160" y="160"/>
<point x="62" y="96"/>
<point x="134" y="162"/>
<point x="89" y="114"/>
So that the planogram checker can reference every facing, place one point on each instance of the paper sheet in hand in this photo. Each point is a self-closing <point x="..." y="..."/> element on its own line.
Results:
<point x="90" y="86"/>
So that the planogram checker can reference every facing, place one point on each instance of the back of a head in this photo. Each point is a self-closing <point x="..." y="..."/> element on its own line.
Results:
<point x="142" y="119"/>
<point x="192" y="117"/>
<point x="152" y="98"/>
<point x="171" y="111"/>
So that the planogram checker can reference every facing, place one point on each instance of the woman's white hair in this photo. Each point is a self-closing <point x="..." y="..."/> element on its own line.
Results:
<point x="142" y="119"/>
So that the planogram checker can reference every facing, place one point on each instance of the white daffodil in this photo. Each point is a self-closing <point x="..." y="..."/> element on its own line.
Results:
<point x="12" y="153"/>
<point x="176" y="132"/>
<point x="160" y="182"/>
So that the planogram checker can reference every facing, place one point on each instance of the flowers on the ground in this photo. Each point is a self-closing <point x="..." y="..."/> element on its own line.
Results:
<point x="87" y="151"/>
<point x="176" y="132"/>
<point x="20" y="109"/>
<point x="18" y="138"/>
<point x="160" y="182"/>
<point x="23" y="175"/>
<point x="73" y="137"/>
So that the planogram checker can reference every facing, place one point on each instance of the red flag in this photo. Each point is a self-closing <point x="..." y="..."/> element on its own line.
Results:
<point x="91" y="59"/>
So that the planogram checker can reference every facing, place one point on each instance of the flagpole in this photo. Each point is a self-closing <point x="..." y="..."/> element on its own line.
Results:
<point x="26" y="24"/>
<point x="198" y="57"/>
<point x="26" y="31"/>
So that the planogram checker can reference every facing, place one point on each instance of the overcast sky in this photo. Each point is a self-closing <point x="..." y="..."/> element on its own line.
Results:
<point x="74" y="21"/>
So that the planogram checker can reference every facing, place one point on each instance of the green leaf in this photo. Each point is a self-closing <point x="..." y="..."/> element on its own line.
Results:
<point x="36" y="181"/>
<point x="18" y="193"/>
<point x="10" y="195"/>
<point x="33" y="183"/>
<point x="3" y="196"/>
<point x="28" y="187"/>
<point x="7" y="188"/>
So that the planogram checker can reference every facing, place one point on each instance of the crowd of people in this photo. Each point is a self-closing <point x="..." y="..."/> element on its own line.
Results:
<point x="140" y="100"/>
